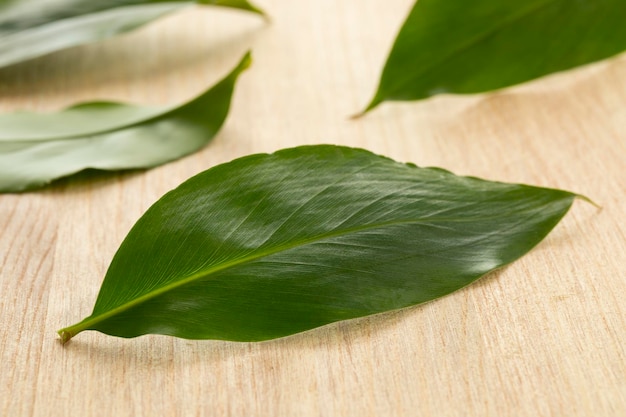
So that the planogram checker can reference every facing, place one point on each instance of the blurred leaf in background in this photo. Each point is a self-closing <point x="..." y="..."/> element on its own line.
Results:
<point x="32" y="28"/>
<point x="465" y="47"/>
<point x="36" y="148"/>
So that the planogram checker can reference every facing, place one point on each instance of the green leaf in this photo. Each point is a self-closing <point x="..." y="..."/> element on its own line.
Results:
<point x="466" y="47"/>
<point x="29" y="29"/>
<point x="38" y="148"/>
<point x="270" y="245"/>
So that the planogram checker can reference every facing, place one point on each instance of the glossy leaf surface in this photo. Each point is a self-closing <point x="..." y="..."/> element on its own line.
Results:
<point x="465" y="47"/>
<point x="271" y="245"/>
<point x="38" y="148"/>
<point x="31" y="28"/>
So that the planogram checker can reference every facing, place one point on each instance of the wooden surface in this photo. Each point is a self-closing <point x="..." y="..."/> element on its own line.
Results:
<point x="542" y="337"/>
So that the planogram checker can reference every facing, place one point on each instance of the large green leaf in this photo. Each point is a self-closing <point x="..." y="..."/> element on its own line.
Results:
<point x="270" y="245"/>
<point x="464" y="47"/>
<point x="31" y="28"/>
<point x="38" y="148"/>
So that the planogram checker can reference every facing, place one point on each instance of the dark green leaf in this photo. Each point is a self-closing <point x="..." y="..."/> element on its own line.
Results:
<point x="31" y="28"/>
<point x="38" y="148"/>
<point x="271" y="245"/>
<point x="465" y="47"/>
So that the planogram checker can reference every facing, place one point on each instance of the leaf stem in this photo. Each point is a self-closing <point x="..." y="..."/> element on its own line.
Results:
<point x="69" y="332"/>
<point x="66" y="334"/>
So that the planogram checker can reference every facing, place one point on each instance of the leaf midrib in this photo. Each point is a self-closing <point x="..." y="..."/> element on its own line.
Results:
<point x="164" y="112"/>
<point x="92" y="320"/>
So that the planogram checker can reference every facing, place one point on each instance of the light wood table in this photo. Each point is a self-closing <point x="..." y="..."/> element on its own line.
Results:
<point x="545" y="336"/>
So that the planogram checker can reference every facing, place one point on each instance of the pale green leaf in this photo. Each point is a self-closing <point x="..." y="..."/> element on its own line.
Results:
<point x="31" y="28"/>
<point x="38" y="148"/>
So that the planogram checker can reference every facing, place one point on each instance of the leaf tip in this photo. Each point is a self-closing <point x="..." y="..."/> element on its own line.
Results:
<point x="240" y="4"/>
<point x="371" y="106"/>
<point x="357" y="115"/>
<point x="246" y="61"/>
<point x="590" y="201"/>
<point x="255" y="9"/>
<point x="262" y="13"/>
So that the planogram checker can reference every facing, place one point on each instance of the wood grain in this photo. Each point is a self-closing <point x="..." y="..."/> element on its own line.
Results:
<point x="542" y="337"/>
